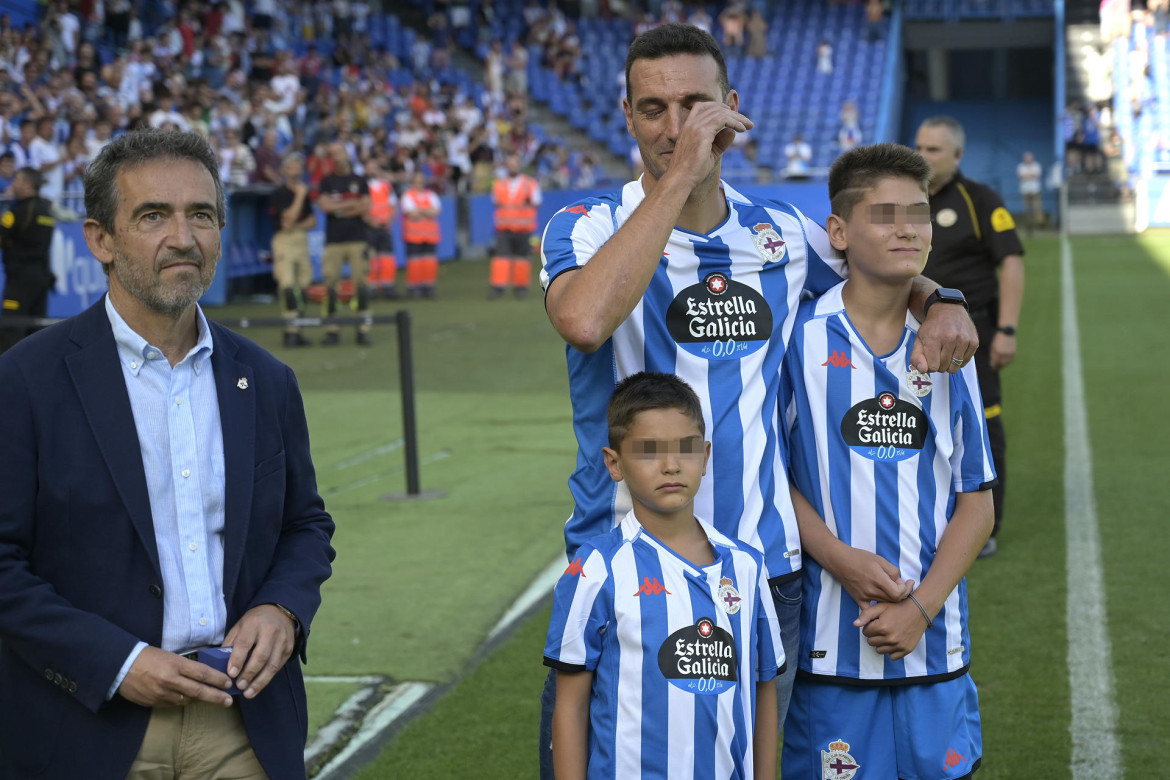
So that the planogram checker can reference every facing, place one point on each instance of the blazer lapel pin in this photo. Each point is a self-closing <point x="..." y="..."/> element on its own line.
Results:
<point x="243" y="383"/>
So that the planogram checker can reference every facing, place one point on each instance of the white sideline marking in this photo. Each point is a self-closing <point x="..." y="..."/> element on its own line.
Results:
<point x="1095" y="754"/>
<point x="402" y="697"/>
<point x="384" y="713"/>
<point x="365" y="679"/>
<point x="539" y="588"/>
<point x="362" y="457"/>
<point x="346" y="716"/>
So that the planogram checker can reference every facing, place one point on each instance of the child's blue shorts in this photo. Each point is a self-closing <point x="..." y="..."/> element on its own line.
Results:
<point x="911" y="732"/>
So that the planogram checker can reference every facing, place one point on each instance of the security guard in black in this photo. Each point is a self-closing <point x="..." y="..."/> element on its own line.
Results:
<point x="26" y="235"/>
<point x="975" y="249"/>
<point x="973" y="232"/>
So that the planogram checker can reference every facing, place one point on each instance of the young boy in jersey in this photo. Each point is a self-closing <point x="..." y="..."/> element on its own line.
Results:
<point x="663" y="631"/>
<point x="892" y="474"/>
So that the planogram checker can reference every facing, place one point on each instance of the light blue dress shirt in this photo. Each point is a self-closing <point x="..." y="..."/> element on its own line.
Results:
<point x="176" y="414"/>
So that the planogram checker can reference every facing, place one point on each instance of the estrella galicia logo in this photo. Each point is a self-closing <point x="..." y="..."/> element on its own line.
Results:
<point x="885" y="428"/>
<point x="699" y="659"/>
<point x="719" y="319"/>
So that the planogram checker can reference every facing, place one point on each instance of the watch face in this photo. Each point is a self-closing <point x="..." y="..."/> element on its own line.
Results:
<point x="950" y="295"/>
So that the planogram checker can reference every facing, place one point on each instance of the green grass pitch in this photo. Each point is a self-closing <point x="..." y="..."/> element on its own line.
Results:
<point x="418" y="584"/>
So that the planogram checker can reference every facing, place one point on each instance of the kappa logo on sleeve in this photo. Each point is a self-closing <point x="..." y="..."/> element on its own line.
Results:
<point x="575" y="568"/>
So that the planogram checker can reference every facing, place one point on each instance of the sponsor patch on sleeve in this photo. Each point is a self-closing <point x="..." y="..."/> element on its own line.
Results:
<point x="1001" y="220"/>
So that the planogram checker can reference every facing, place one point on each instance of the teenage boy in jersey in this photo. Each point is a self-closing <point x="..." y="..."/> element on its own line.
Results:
<point x="896" y="468"/>
<point x="678" y="272"/>
<point x="663" y="629"/>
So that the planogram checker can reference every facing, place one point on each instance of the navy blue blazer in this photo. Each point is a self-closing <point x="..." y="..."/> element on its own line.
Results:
<point x="79" y="569"/>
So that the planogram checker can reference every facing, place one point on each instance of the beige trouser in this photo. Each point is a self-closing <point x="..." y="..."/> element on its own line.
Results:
<point x="199" y="740"/>
<point x="334" y="256"/>
<point x="291" y="266"/>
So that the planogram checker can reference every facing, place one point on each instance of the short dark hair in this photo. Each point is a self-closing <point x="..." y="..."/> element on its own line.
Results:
<point x="861" y="168"/>
<point x="647" y="391"/>
<point x="32" y="176"/>
<point x="669" y="40"/>
<point x="7" y="156"/>
<point x="135" y="149"/>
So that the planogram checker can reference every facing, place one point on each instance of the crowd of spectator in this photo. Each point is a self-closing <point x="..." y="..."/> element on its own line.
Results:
<point x="260" y="79"/>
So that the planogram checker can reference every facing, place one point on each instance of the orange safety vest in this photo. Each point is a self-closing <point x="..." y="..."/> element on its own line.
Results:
<point x="514" y="210"/>
<point x="381" y="201"/>
<point x="416" y="229"/>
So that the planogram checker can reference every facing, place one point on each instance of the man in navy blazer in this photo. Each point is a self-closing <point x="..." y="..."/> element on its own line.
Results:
<point x="118" y="503"/>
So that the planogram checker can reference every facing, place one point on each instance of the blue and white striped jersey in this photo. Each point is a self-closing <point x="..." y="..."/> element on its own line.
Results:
<point x="675" y="649"/>
<point x="880" y="451"/>
<point x="718" y="313"/>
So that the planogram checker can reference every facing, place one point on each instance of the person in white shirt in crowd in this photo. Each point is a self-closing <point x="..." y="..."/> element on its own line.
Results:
<point x="45" y="155"/>
<point x="824" y="57"/>
<point x="799" y="156"/>
<point x="236" y="162"/>
<point x="1030" y="174"/>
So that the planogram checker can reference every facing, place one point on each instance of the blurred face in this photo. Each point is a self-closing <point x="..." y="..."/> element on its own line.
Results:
<point x="293" y="169"/>
<point x="166" y="240"/>
<point x="22" y="187"/>
<point x="340" y="157"/>
<point x="661" y="93"/>
<point x="937" y="144"/>
<point x="662" y="459"/>
<point x="886" y="238"/>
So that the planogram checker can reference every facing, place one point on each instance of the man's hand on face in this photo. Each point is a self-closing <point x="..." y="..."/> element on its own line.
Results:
<point x="708" y="132"/>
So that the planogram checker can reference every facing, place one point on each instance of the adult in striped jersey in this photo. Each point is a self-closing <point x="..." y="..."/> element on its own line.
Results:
<point x="678" y="272"/>
<point x="897" y="467"/>
<point x="663" y="629"/>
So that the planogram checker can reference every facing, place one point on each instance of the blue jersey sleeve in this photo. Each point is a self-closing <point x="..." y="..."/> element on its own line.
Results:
<point x="971" y="461"/>
<point x="582" y="606"/>
<point x="826" y="266"/>
<point x="573" y="236"/>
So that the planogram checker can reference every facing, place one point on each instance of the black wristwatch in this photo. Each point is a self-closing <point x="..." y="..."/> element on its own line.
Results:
<point x="943" y="295"/>
<point x="1007" y="330"/>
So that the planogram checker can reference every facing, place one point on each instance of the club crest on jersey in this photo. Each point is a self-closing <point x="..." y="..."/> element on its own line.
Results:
<point x="719" y="318"/>
<point x="836" y="763"/>
<point x="699" y="659"/>
<point x="918" y="382"/>
<point x="729" y="598"/>
<point x="885" y="428"/>
<point x="768" y="242"/>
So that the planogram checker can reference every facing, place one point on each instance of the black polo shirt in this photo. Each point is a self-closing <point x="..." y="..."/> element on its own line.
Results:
<point x="339" y="230"/>
<point x="973" y="233"/>
<point x="281" y="199"/>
